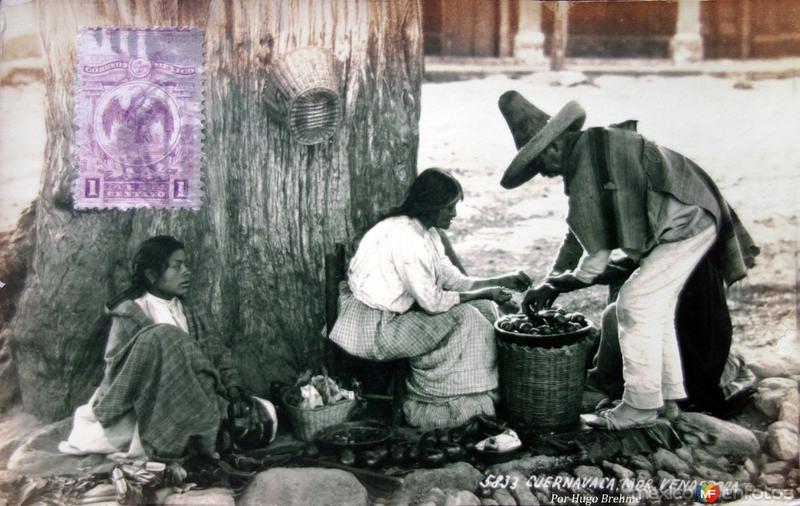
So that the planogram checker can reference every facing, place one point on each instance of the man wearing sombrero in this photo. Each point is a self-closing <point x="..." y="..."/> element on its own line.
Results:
<point x="626" y="192"/>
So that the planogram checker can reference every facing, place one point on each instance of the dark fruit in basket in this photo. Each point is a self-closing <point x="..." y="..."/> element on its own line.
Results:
<point x="547" y="322"/>
<point x="347" y="457"/>
<point x="578" y="318"/>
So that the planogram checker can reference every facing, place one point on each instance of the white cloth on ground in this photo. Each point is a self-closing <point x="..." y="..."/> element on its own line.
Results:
<point x="399" y="262"/>
<point x="89" y="436"/>
<point x="651" y="363"/>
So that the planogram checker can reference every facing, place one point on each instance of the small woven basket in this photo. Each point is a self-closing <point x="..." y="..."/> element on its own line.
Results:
<point x="302" y="93"/>
<point x="306" y="423"/>
<point x="542" y="387"/>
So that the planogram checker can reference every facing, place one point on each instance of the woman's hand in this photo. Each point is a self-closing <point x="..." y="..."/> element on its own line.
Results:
<point x="499" y="294"/>
<point x="495" y="293"/>
<point x="517" y="282"/>
<point x="539" y="298"/>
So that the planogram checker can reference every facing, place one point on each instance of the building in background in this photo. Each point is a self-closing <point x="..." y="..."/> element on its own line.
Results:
<point x="681" y="30"/>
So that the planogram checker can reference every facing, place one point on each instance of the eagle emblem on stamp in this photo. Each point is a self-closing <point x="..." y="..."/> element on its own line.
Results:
<point x="139" y="118"/>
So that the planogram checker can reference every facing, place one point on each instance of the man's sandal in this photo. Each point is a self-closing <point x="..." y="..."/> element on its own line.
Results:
<point x="607" y="403"/>
<point x="607" y="420"/>
<point x="670" y="410"/>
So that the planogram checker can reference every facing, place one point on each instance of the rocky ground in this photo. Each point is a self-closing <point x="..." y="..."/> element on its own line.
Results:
<point x="748" y="465"/>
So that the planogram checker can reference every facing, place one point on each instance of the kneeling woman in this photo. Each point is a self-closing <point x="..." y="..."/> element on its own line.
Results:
<point x="406" y="299"/>
<point x="167" y="379"/>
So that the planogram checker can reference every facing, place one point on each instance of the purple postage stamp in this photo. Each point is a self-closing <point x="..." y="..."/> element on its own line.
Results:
<point x="139" y="114"/>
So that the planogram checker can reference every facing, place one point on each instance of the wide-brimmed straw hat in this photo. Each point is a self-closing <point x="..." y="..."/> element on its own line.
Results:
<point x="533" y="130"/>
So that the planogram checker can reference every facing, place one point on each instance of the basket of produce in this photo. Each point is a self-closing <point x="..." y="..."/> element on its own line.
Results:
<point x="316" y="403"/>
<point x="550" y="328"/>
<point x="542" y="363"/>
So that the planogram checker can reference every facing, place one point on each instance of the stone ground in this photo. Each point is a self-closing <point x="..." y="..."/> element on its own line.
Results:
<point x="752" y="458"/>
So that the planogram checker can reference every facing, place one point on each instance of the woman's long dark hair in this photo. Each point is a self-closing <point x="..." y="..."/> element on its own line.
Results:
<point x="152" y="254"/>
<point x="432" y="190"/>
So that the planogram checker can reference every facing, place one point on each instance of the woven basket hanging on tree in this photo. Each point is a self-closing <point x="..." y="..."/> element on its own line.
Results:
<point x="301" y="92"/>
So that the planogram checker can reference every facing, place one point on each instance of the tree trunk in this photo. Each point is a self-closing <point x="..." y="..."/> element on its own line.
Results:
<point x="16" y="251"/>
<point x="272" y="207"/>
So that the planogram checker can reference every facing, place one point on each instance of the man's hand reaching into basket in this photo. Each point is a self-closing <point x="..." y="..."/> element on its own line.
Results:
<point x="540" y="297"/>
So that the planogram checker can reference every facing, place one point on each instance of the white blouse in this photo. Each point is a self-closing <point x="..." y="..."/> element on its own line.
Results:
<point x="163" y="311"/>
<point x="399" y="262"/>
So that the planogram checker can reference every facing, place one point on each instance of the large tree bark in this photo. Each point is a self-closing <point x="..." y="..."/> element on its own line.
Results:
<point x="16" y="251"/>
<point x="272" y="208"/>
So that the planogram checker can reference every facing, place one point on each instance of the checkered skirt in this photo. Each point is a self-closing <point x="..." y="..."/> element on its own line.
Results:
<point x="450" y="354"/>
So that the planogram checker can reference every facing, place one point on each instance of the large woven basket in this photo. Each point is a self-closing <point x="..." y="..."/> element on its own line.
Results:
<point x="542" y="388"/>
<point x="307" y="422"/>
<point x="301" y="92"/>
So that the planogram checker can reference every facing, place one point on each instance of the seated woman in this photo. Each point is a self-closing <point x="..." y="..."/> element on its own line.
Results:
<point x="167" y="379"/>
<point x="406" y="299"/>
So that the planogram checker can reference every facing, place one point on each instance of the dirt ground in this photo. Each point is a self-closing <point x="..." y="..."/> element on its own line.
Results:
<point x="744" y="138"/>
